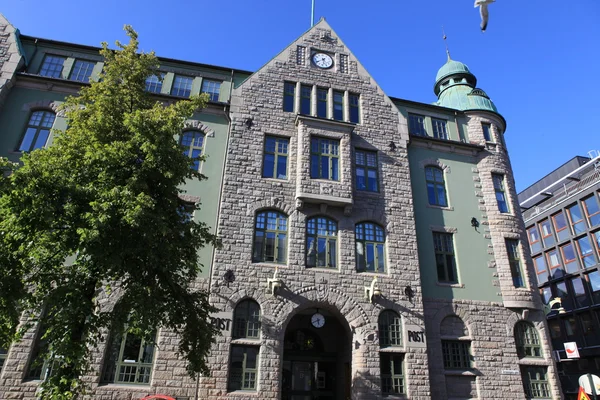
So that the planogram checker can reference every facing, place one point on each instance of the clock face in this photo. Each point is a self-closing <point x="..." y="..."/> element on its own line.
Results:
<point x="317" y="320"/>
<point x="322" y="60"/>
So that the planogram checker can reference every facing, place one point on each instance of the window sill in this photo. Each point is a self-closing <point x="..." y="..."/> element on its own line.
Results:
<point x="460" y="372"/>
<point x="246" y="341"/>
<point x="243" y="393"/>
<point x="452" y="285"/>
<point x="449" y="208"/>
<point x="269" y="265"/>
<point x="323" y="269"/>
<point x="368" y="192"/>
<point x="130" y="387"/>
<point x="536" y="361"/>
<point x="393" y="349"/>
<point x="276" y="180"/>
<point x="372" y="273"/>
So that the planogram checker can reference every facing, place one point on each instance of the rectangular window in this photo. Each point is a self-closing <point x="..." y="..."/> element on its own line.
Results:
<point x="457" y="354"/>
<point x="586" y="253"/>
<point x="366" y="171"/>
<point x="500" y="193"/>
<point x="338" y="106"/>
<point x="512" y="247"/>
<point x="535" y="383"/>
<point x="243" y="367"/>
<point x="540" y="269"/>
<point x="289" y="94"/>
<point x="581" y="297"/>
<point x="547" y="235"/>
<point x="556" y="269"/>
<point x="589" y="329"/>
<point x="275" y="157"/>
<point x="439" y="128"/>
<point x="594" y="279"/>
<point x="534" y="239"/>
<point x="392" y="373"/>
<point x="444" y="257"/>
<point x="322" y="103"/>
<point x="182" y="86"/>
<point x="592" y="210"/>
<point x="154" y="83"/>
<point x="487" y="132"/>
<point x="213" y="88"/>
<point x="569" y="258"/>
<point x="416" y="125"/>
<point x="576" y="218"/>
<point x="52" y="66"/>
<point x="82" y="70"/>
<point x="344" y="63"/>
<point x="324" y="159"/>
<point x="354" y="107"/>
<point x="560" y="225"/>
<point x="305" y="99"/>
<point x="300" y="55"/>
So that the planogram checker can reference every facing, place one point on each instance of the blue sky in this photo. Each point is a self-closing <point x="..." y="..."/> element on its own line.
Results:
<point x="539" y="59"/>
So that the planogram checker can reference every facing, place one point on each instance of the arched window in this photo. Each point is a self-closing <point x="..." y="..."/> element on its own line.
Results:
<point x="527" y="340"/>
<point x="390" y="329"/>
<point x="246" y="320"/>
<point x="193" y="143"/>
<point x="129" y="360"/>
<point x="321" y="243"/>
<point x="270" y="237"/>
<point x="436" y="188"/>
<point x="370" y="242"/>
<point x="456" y="343"/>
<point x="37" y="130"/>
<point x="243" y="361"/>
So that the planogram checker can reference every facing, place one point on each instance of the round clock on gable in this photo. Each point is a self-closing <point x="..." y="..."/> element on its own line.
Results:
<point x="322" y="60"/>
<point x="317" y="320"/>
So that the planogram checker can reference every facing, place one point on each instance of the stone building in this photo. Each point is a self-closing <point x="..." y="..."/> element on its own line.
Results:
<point x="562" y="217"/>
<point x="372" y="246"/>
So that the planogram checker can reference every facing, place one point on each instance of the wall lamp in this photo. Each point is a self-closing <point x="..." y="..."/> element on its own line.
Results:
<point x="249" y="123"/>
<point x="372" y="292"/>
<point x="474" y="223"/>
<point x="275" y="283"/>
<point x="392" y="146"/>
<point x="228" y="277"/>
<point x="548" y="308"/>
<point x="409" y="292"/>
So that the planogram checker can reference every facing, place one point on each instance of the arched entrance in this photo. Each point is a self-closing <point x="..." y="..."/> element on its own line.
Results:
<point x="317" y="357"/>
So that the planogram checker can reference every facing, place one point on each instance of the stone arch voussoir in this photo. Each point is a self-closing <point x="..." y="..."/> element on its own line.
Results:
<point x="275" y="203"/>
<point x="44" y="105"/>
<point x="458" y="311"/>
<point x="197" y="125"/>
<point x="436" y="163"/>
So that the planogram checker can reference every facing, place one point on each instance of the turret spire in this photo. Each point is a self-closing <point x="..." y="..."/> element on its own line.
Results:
<point x="446" y="43"/>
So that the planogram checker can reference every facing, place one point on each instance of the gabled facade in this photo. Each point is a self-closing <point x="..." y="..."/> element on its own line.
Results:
<point x="372" y="246"/>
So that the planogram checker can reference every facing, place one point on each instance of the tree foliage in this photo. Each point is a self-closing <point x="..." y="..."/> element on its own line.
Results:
<point x="98" y="214"/>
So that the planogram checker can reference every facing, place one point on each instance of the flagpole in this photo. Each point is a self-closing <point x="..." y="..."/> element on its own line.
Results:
<point x="312" y="14"/>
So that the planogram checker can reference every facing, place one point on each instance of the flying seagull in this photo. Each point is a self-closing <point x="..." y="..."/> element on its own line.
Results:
<point x="483" y="11"/>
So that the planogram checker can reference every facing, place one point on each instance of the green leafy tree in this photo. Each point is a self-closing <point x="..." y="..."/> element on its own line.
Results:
<point x="98" y="214"/>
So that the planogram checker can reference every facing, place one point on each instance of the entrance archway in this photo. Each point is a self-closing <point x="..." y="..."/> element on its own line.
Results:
<point x="317" y="356"/>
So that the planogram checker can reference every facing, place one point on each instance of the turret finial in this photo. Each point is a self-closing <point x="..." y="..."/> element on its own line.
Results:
<point x="446" y="43"/>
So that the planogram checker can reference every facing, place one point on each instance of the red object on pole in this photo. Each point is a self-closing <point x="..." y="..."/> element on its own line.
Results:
<point x="160" y="397"/>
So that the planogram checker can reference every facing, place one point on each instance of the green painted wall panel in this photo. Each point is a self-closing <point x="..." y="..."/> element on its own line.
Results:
<point x="470" y="245"/>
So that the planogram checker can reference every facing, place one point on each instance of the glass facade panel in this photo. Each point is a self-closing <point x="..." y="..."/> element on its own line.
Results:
<point x="556" y="269"/>
<point x="592" y="210"/>
<point x="321" y="243"/>
<point x="534" y="239"/>
<point x="580" y="294"/>
<point x="370" y="244"/>
<point x="541" y="270"/>
<point x="561" y="226"/>
<point x="547" y="234"/>
<point x="569" y="258"/>
<point x="594" y="279"/>
<point x="586" y="252"/>
<point x="576" y="218"/>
